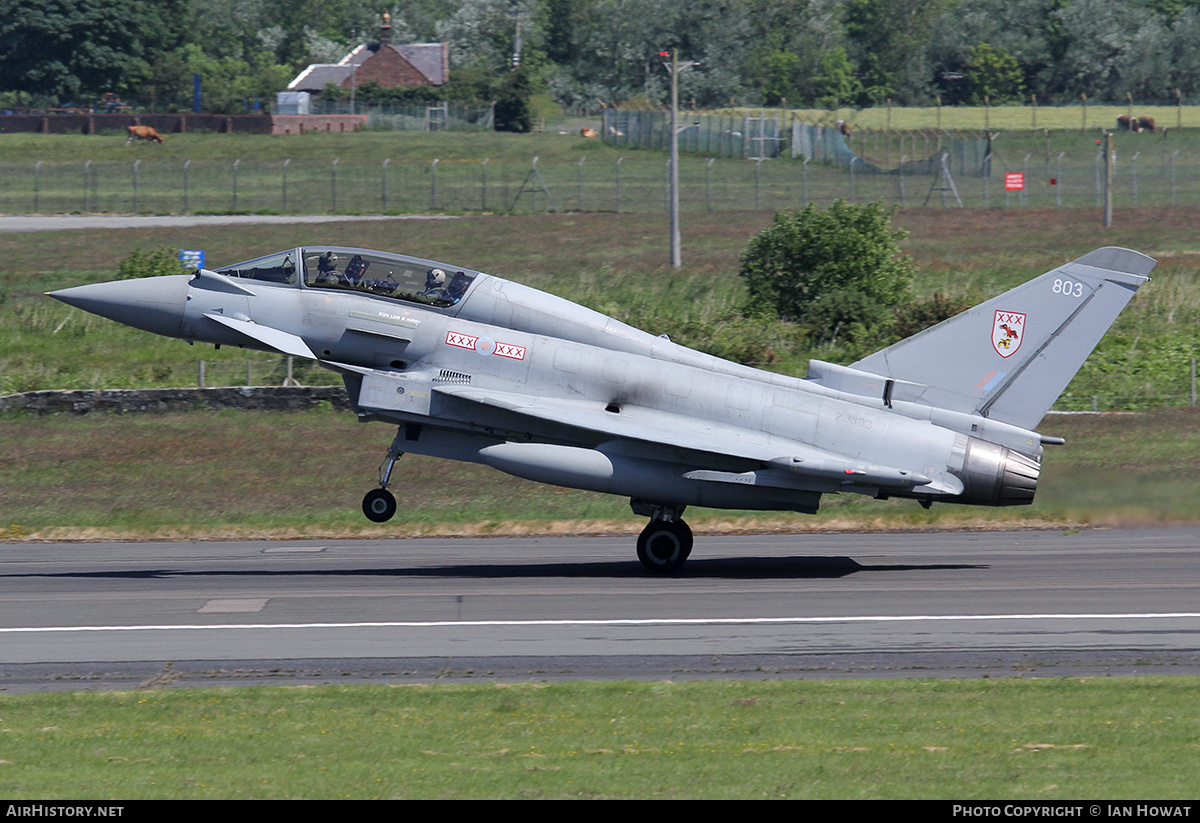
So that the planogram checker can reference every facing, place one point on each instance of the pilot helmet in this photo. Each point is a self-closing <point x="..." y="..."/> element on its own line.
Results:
<point x="327" y="262"/>
<point x="435" y="279"/>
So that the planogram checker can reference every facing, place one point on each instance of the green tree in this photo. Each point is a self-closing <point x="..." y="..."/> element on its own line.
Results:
<point x="838" y="266"/>
<point x="992" y="73"/>
<point x="835" y="83"/>
<point x="780" y="72"/>
<point x="71" y="48"/>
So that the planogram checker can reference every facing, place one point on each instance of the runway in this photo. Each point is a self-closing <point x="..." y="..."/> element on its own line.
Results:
<point x="1045" y="603"/>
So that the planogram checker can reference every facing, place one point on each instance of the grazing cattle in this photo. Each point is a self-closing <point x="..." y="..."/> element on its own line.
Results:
<point x="1124" y="123"/>
<point x="843" y="127"/>
<point x="586" y="132"/>
<point x="1145" y="124"/>
<point x="143" y="133"/>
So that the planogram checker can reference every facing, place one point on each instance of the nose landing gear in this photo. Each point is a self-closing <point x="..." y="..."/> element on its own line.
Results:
<point x="379" y="505"/>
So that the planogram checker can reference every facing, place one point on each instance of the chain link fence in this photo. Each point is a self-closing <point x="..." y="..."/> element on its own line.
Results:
<point x="912" y="170"/>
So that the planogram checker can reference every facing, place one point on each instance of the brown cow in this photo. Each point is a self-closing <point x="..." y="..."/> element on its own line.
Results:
<point x="1145" y="124"/>
<point x="843" y="127"/>
<point x="143" y="133"/>
<point x="1125" y="123"/>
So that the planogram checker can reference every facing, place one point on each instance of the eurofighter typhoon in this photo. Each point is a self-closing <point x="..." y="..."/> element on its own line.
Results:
<point x="472" y="367"/>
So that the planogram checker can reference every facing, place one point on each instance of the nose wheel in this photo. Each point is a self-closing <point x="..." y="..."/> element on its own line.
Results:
<point x="664" y="545"/>
<point x="379" y="505"/>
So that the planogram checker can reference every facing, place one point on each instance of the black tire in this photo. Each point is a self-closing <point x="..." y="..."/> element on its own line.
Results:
<point x="663" y="547"/>
<point x="379" y="505"/>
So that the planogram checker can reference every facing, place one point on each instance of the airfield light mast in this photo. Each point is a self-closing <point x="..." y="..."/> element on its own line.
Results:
<point x="674" y="67"/>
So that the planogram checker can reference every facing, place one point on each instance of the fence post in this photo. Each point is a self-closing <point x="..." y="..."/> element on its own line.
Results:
<point x="333" y="183"/>
<point x="619" y="159"/>
<point x="758" y="182"/>
<point x="383" y="182"/>
<point x="579" y="185"/>
<point x="1173" y="156"/>
<point x="987" y="177"/>
<point x="708" y="184"/>
<point x="1133" y="176"/>
<point x="87" y="201"/>
<point x="904" y="157"/>
<point x="187" y="167"/>
<point x="136" y="163"/>
<point x="200" y="374"/>
<point x="1023" y="198"/>
<point x="804" y="182"/>
<point x="236" y="163"/>
<point x="37" y="173"/>
<point x="290" y="380"/>
<point x="1058" y="180"/>
<point x="433" y="182"/>
<point x="286" y="163"/>
<point x="483" y="193"/>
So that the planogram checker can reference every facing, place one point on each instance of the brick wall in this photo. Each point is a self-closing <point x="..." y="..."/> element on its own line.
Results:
<point x="305" y="123"/>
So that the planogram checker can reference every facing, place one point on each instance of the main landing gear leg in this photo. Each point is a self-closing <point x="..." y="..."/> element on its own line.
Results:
<point x="379" y="504"/>
<point x="665" y="543"/>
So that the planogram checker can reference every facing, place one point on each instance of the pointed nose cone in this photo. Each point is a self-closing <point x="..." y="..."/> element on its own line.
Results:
<point x="155" y="304"/>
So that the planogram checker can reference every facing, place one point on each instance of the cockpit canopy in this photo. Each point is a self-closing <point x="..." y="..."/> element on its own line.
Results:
<point x="361" y="270"/>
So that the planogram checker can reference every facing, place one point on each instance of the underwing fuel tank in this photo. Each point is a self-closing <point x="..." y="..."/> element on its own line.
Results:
<point x="639" y="477"/>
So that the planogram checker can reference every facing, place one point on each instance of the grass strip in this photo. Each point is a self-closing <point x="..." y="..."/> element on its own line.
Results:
<point x="1019" y="739"/>
<point x="237" y="474"/>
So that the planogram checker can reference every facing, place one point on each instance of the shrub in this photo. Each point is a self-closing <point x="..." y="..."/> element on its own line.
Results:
<point x="155" y="263"/>
<point x="917" y="315"/>
<point x="842" y="264"/>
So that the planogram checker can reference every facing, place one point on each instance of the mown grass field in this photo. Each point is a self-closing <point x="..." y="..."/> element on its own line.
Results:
<point x="1037" y="741"/>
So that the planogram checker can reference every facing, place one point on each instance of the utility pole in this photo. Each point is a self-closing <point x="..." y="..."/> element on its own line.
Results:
<point x="516" y="56"/>
<point x="674" y="67"/>
<point x="1108" y="177"/>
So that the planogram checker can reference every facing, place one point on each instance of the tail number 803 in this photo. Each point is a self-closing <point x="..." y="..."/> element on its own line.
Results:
<point x="1068" y="288"/>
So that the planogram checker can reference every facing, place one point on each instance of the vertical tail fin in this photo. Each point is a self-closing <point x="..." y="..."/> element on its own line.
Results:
<point x="1010" y="358"/>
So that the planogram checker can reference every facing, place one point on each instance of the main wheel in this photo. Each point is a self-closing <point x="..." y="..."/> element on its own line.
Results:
<point x="664" y="546"/>
<point x="379" y="505"/>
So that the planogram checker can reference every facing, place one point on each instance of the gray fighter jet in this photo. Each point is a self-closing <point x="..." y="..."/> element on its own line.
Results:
<point x="472" y="367"/>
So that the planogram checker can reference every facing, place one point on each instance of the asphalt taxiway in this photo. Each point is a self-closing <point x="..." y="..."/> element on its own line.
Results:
<point x="964" y="604"/>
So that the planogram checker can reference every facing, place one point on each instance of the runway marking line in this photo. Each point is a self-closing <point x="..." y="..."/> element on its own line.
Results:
<point x="664" y="621"/>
